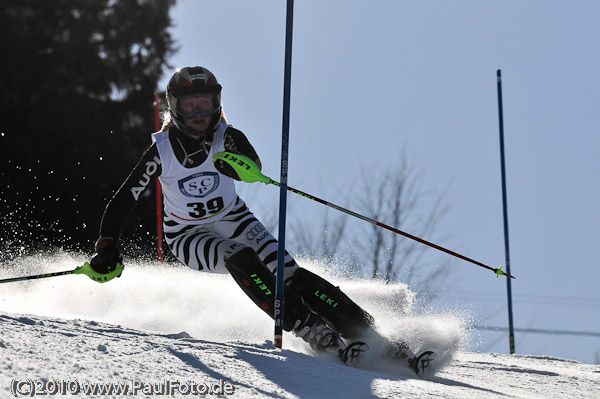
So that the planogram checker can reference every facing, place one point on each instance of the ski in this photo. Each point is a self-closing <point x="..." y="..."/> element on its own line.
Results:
<point x="421" y="364"/>
<point x="352" y="352"/>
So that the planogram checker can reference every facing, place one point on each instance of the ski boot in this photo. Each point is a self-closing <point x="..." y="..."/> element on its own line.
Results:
<point x="318" y="335"/>
<point x="321" y="338"/>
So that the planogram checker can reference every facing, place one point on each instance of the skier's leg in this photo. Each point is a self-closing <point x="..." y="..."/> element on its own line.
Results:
<point x="258" y="282"/>
<point x="327" y="301"/>
<point x="331" y="304"/>
<point x="217" y="244"/>
<point x="222" y="247"/>
<point x="242" y="226"/>
<point x="198" y="247"/>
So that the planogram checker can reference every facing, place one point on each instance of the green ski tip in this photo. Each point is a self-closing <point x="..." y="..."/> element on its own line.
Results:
<point x="499" y="272"/>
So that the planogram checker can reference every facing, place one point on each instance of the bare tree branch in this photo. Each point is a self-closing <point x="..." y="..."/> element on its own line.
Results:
<point x="395" y="197"/>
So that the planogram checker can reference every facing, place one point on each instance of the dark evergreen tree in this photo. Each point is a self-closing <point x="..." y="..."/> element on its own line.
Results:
<point x="77" y="84"/>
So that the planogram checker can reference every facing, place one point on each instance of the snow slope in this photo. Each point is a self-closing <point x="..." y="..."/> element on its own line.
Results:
<point x="165" y="325"/>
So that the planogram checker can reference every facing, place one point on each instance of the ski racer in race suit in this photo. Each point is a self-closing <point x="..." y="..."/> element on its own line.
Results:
<point x="209" y="228"/>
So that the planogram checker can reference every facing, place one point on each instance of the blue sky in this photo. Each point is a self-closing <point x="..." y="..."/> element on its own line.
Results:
<point x="372" y="80"/>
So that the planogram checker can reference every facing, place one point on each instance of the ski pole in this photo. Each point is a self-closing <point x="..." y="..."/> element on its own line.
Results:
<point x="249" y="172"/>
<point x="85" y="269"/>
<point x="37" y="276"/>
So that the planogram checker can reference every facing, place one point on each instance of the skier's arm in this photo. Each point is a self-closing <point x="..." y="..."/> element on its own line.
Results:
<point x="127" y="196"/>
<point x="237" y="143"/>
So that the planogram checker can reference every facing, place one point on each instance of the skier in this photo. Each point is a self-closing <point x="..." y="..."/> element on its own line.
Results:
<point x="209" y="228"/>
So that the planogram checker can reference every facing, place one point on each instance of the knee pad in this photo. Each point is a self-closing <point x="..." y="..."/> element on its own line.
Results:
<point x="331" y="304"/>
<point x="258" y="282"/>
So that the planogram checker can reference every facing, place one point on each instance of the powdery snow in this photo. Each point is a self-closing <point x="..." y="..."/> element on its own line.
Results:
<point x="160" y="326"/>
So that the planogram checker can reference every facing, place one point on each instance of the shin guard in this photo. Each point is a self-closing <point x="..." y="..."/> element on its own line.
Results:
<point x="331" y="304"/>
<point x="257" y="281"/>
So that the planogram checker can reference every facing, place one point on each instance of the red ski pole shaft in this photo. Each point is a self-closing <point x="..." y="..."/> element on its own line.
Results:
<point x="397" y="231"/>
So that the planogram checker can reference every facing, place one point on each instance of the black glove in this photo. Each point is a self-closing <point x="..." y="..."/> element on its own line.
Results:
<point x="107" y="256"/>
<point x="226" y="169"/>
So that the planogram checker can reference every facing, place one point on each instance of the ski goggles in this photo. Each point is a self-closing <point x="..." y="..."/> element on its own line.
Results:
<point x="192" y="106"/>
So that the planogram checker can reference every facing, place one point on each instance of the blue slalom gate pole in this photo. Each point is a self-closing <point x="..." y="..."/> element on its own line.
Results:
<point x="285" y="135"/>
<point x="505" y="213"/>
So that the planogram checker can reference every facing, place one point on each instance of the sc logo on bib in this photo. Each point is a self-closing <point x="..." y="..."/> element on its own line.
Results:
<point x="199" y="185"/>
